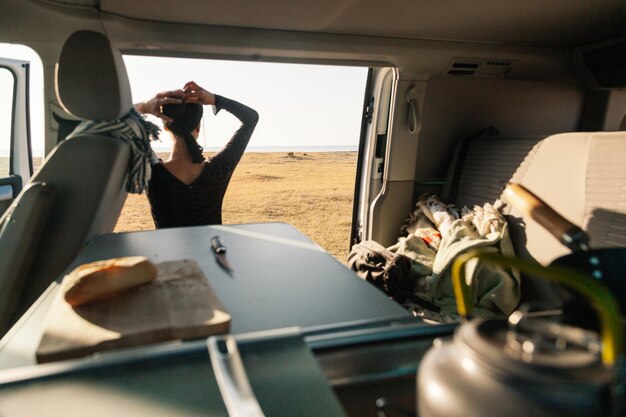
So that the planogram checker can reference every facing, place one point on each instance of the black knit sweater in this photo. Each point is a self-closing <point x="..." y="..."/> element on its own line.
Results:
<point x="175" y="204"/>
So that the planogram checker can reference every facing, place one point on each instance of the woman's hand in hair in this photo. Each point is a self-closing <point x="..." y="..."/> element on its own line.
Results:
<point x="196" y="94"/>
<point x="154" y="105"/>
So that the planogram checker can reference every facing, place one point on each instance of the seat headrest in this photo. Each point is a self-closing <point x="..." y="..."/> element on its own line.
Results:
<point x="91" y="79"/>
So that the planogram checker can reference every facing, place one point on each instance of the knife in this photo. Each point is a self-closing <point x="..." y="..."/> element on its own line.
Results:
<point x="220" y="253"/>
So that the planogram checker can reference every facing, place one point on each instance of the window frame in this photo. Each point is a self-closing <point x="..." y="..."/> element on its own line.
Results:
<point x="15" y="181"/>
<point x="20" y="149"/>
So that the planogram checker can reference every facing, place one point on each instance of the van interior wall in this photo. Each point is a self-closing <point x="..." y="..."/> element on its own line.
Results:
<point x="615" y="116"/>
<point x="454" y="108"/>
<point x="392" y="205"/>
<point x="605" y="110"/>
<point x="457" y="107"/>
<point x="44" y="26"/>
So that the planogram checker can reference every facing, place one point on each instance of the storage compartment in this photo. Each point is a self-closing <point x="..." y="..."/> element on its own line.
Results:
<point x="380" y="374"/>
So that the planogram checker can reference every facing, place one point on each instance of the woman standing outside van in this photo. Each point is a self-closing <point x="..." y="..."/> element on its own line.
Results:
<point x="186" y="189"/>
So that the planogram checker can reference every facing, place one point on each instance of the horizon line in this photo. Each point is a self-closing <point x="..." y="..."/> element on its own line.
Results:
<point x="37" y="152"/>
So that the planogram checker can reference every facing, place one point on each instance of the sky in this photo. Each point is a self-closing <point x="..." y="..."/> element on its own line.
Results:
<point x="299" y="105"/>
<point x="36" y="97"/>
<point x="6" y="84"/>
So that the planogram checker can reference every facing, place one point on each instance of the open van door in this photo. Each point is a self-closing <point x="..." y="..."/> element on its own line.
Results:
<point x="372" y="148"/>
<point x="16" y="165"/>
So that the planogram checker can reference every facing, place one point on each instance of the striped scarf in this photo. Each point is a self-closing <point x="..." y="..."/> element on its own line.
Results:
<point x="137" y="132"/>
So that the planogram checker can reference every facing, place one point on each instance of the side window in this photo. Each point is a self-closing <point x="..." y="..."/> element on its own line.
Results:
<point x="7" y="86"/>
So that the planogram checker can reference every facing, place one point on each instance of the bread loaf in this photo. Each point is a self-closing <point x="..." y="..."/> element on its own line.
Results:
<point x="102" y="279"/>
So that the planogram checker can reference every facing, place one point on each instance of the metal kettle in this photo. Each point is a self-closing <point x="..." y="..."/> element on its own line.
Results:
<point x="528" y="365"/>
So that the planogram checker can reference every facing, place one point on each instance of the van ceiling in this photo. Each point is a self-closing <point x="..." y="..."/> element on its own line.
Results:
<point x="522" y="22"/>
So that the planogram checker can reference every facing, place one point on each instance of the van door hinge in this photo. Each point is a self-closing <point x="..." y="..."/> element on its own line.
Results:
<point x="369" y="110"/>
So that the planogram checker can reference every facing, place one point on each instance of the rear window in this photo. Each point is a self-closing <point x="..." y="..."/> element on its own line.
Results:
<point x="300" y="164"/>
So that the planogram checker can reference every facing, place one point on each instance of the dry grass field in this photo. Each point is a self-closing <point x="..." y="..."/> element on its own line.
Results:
<point x="312" y="191"/>
<point x="4" y="167"/>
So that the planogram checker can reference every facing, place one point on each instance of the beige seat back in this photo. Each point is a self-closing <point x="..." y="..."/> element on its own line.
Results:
<point x="21" y="229"/>
<point x="87" y="171"/>
<point x="581" y="175"/>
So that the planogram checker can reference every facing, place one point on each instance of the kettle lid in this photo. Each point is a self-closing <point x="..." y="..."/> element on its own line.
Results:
<point x="538" y="346"/>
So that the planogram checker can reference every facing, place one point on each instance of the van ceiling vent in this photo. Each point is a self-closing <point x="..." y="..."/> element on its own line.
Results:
<point x="473" y="67"/>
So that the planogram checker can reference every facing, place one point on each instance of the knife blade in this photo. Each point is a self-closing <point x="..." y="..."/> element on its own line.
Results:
<point x="220" y="253"/>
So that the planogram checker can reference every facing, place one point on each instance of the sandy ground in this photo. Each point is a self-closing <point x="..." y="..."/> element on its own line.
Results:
<point x="312" y="191"/>
<point x="4" y="167"/>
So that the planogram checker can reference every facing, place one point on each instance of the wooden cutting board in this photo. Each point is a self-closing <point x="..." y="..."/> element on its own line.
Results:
<point x="178" y="304"/>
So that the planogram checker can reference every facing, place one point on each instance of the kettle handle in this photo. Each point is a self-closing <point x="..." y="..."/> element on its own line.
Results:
<point x="532" y="206"/>
<point x="603" y="301"/>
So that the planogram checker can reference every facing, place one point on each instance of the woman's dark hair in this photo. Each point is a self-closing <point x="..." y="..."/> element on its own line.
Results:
<point x="185" y="119"/>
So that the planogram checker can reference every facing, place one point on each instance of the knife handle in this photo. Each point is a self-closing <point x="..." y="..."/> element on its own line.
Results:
<point x="217" y="246"/>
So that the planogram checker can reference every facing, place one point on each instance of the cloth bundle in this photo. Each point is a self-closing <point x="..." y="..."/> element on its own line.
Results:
<point x="436" y="234"/>
<point x="387" y="271"/>
<point x="137" y="132"/>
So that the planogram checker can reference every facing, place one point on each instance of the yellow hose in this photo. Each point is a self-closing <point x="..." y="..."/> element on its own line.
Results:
<point x="602" y="300"/>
